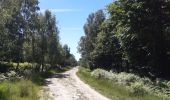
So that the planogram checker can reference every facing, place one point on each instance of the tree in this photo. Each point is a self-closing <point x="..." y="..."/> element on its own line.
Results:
<point x="53" y="38"/>
<point x="91" y="29"/>
<point x="107" y="53"/>
<point x="15" y="27"/>
<point x="7" y="9"/>
<point x="67" y="51"/>
<point x="143" y="27"/>
<point x="49" y="40"/>
<point x="29" y="36"/>
<point x="68" y="58"/>
<point x="29" y="11"/>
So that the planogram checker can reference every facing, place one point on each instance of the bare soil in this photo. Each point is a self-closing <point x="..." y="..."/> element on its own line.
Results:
<point x="67" y="86"/>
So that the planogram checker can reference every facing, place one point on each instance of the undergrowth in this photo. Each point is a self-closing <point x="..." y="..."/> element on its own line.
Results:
<point x="113" y="90"/>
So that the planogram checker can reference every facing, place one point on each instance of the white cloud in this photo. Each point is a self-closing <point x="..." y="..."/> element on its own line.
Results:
<point x="60" y="10"/>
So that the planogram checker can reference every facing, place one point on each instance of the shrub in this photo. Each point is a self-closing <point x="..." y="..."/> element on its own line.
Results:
<point x="138" y="90"/>
<point x="137" y="85"/>
<point x="4" y="67"/>
<point x="11" y="74"/>
<point x="98" y="73"/>
<point x="27" y="73"/>
<point x="2" y="77"/>
<point x="127" y="79"/>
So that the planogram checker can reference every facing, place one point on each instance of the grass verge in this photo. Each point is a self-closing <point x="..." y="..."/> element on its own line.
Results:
<point x="110" y="89"/>
<point x="27" y="89"/>
<point x="19" y="90"/>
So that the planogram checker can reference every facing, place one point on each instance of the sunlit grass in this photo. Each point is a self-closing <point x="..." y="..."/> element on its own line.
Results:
<point x="110" y="89"/>
<point x="29" y="88"/>
<point x="19" y="90"/>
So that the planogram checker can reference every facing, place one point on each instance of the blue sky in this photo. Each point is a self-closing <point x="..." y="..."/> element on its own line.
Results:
<point x="71" y="16"/>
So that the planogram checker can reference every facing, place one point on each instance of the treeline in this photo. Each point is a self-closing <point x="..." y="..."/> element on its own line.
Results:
<point x="133" y="36"/>
<point x="27" y="35"/>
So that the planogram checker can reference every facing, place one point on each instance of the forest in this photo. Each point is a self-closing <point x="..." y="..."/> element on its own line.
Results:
<point x="30" y="36"/>
<point x="125" y="51"/>
<point x="127" y="45"/>
<point x="30" y="49"/>
<point x="129" y="36"/>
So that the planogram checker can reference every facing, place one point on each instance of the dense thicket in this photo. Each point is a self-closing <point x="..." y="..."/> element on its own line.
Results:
<point x="26" y="35"/>
<point x="134" y="37"/>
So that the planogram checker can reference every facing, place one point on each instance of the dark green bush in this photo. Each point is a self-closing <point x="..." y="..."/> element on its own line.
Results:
<point x="4" y="67"/>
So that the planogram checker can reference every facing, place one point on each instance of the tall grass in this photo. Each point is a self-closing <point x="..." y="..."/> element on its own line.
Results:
<point x="19" y="90"/>
<point x="110" y="89"/>
<point x="137" y="85"/>
<point x="25" y="84"/>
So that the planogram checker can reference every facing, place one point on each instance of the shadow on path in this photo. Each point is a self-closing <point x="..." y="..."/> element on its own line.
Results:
<point x="60" y="76"/>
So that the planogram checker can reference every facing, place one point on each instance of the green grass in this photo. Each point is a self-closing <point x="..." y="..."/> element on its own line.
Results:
<point x="110" y="89"/>
<point x="27" y="89"/>
<point x="19" y="90"/>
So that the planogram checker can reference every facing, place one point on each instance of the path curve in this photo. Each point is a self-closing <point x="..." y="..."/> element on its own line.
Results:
<point x="67" y="86"/>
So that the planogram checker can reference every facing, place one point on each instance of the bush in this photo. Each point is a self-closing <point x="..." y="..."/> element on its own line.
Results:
<point x="138" y="90"/>
<point x="121" y="78"/>
<point x="2" y="77"/>
<point x="137" y="85"/>
<point x="102" y="74"/>
<point x="4" y="67"/>
<point x="127" y="79"/>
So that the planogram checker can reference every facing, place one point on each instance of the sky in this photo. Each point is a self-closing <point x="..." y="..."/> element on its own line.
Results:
<point x="71" y="16"/>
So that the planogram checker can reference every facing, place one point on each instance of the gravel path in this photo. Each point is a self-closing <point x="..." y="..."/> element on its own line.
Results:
<point x="67" y="86"/>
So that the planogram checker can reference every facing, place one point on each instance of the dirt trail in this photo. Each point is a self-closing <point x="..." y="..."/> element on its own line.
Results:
<point x="67" y="86"/>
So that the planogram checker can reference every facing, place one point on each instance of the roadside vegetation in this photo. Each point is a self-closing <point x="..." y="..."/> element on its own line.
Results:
<point x="130" y="38"/>
<point x="30" y="49"/>
<point x="26" y="83"/>
<point x="19" y="90"/>
<point x="121" y="86"/>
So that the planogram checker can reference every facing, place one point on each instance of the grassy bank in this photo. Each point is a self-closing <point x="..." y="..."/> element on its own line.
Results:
<point x="24" y="88"/>
<point x="12" y="87"/>
<point x="19" y="90"/>
<point x="110" y="89"/>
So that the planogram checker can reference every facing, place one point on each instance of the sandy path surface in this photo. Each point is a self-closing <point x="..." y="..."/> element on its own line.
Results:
<point x="67" y="86"/>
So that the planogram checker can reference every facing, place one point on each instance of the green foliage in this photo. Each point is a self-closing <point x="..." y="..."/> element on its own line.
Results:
<point x="91" y="29"/>
<point x="142" y="29"/>
<point x="24" y="90"/>
<point x="82" y="62"/>
<point x="29" y="36"/>
<point x="136" y="85"/>
<point x="113" y="90"/>
<point x="25" y="87"/>
<point x="68" y="58"/>
<point x="4" y="67"/>
<point x="19" y="90"/>
<point x="107" y="52"/>
<point x="134" y="37"/>
<point x="138" y="90"/>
